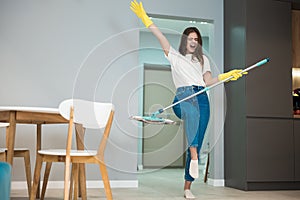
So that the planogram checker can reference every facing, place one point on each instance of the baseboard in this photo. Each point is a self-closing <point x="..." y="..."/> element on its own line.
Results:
<point x="216" y="182"/>
<point x="19" y="185"/>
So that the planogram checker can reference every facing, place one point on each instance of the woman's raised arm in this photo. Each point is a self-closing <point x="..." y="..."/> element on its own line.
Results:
<point x="138" y="9"/>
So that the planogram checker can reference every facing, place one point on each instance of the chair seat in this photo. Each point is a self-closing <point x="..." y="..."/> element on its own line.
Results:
<point x="2" y="124"/>
<point x="15" y="149"/>
<point x="62" y="152"/>
<point x="21" y="153"/>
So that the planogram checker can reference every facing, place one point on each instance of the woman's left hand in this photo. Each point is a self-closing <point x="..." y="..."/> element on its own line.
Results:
<point x="235" y="73"/>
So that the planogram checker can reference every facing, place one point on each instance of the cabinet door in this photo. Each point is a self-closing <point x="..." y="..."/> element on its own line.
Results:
<point x="268" y="88"/>
<point x="297" y="149"/>
<point x="270" y="150"/>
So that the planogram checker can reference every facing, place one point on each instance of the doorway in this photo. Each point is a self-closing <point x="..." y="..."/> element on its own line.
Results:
<point x="155" y="144"/>
<point x="163" y="145"/>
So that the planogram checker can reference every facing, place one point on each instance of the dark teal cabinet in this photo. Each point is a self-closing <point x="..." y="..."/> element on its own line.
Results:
<point x="270" y="150"/>
<point x="297" y="148"/>
<point x="261" y="144"/>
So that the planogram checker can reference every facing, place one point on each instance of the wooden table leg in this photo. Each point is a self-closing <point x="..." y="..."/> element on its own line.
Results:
<point x="38" y="147"/>
<point x="10" y="137"/>
<point x="80" y="132"/>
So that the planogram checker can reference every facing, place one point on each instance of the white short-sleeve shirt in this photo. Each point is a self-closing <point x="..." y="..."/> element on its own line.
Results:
<point x="185" y="71"/>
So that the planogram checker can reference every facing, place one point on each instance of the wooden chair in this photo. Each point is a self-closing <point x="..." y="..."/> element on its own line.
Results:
<point x="20" y="153"/>
<point x="91" y="115"/>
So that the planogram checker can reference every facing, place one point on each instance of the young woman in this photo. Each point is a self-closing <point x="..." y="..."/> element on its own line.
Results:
<point x="191" y="73"/>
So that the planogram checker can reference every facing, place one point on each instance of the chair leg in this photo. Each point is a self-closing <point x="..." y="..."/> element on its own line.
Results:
<point x="3" y="156"/>
<point x="46" y="178"/>
<point x="82" y="181"/>
<point x="36" y="177"/>
<point x="67" y="178"/>
<point x="78" y="181"/>
<point x="25" y="154"/>
<point x="27" y="170"/>
<point x="71" y="183"/>
<point x="105" y="181"/>
<point x="75" y="178"/>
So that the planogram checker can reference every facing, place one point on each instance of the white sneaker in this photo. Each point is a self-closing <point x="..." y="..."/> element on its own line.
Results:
<point x="188" y="194"/>
<point x="194" y="171"/>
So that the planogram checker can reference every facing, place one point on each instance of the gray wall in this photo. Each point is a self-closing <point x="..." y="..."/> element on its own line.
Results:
<point x="53" y="50"/>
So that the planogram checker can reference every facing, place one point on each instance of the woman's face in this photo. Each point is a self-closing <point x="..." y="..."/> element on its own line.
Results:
<point x="192" y="42"/>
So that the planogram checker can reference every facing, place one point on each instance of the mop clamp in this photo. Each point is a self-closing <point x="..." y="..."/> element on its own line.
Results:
<point x="155" y="120"/>
<point x="157" y="112"/>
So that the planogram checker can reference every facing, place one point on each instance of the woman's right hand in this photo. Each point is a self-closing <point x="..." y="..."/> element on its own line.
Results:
<point x="138" y="9"/>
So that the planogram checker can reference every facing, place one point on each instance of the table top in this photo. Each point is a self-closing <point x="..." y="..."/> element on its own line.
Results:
<point x="29" y="109"/>
<point x="31" y="115"/>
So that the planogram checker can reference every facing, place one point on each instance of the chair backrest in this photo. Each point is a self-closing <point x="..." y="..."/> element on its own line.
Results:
<point x="90" y="114"/>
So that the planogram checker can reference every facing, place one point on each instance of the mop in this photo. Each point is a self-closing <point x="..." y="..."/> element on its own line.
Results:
<point x="153" y="119"/>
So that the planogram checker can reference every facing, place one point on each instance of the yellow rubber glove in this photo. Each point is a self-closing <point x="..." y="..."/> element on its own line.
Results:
<point x="138" y="9"/>
<point x="236" y="73"/>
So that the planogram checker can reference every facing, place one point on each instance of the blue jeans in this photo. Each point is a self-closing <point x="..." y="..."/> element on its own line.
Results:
<point x="195" y="113"/>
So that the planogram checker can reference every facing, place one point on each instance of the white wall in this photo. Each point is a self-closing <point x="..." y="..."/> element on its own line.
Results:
<point x="56" y="49"/>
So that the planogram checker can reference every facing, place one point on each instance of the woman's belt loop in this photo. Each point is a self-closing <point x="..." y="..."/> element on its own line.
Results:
<point x="191" y="88"/>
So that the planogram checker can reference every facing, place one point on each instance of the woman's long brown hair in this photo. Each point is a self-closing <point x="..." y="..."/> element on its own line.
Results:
<point x="182" y="47"/>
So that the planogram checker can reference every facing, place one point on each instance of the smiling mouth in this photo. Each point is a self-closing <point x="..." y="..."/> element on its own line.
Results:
<point x="193" y="46"/>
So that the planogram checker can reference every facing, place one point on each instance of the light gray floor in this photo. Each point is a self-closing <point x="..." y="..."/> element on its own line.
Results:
<point x="167" y="184"/>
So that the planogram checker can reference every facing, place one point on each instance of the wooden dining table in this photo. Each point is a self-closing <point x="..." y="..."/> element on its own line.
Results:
<point x="37" y="116"/>
<point x="27" y="115"/>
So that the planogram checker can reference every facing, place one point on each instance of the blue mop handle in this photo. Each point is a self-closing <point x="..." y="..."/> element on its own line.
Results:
<point x="262" y="62"/>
